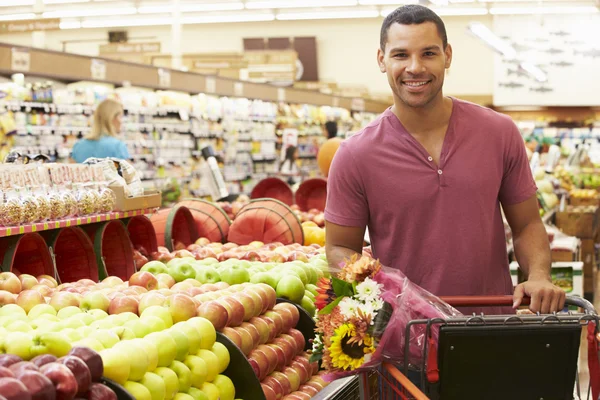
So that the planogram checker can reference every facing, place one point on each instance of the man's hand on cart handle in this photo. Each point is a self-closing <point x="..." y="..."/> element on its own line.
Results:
<point x="545" y="297"/>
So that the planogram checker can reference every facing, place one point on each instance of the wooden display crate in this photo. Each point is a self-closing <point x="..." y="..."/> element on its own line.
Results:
<point x="150" y="199"/>
<point x="581" y="222"/>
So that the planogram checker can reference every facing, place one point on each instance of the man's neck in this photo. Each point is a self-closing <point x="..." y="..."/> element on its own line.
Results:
<point x="424" y="119"/>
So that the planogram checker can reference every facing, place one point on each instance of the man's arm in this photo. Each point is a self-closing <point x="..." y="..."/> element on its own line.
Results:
<point x="532" y="251"/>
<point x="342" y="242"/>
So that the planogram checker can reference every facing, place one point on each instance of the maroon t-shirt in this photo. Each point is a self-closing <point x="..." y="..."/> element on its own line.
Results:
<point x="439" y="224"/>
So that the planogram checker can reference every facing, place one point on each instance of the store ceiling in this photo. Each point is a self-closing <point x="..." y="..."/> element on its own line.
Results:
<point x="122" y="13"/>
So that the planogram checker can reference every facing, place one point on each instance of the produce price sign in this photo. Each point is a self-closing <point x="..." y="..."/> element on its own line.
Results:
<point x="44" y="226"/>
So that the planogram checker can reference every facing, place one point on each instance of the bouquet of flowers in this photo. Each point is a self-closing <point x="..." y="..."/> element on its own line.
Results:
<point x="364" y="309"/>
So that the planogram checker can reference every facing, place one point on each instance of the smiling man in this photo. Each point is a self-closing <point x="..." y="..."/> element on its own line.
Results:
<point x="429" y="177"/>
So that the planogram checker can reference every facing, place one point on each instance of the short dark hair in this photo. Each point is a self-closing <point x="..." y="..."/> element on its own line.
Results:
<point x="412" y="14"/>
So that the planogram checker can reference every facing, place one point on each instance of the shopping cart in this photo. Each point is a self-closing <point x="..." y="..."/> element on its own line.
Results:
<point x="494" y="357"/>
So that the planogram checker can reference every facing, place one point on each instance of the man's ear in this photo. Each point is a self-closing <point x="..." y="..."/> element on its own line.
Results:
<point x="448" y="53"/>
<point x="380" y="60"/>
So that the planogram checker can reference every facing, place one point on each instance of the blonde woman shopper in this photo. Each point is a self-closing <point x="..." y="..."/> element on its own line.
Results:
<point x="102" y="141"/>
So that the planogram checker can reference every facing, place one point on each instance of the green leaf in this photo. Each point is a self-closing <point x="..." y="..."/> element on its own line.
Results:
<point x="315" y="357"/>
<point x="341" y="288"/>
<point x="331" y="306"/>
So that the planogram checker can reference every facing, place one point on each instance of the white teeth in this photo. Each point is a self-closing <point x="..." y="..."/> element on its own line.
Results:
<point x="415" y="83"/>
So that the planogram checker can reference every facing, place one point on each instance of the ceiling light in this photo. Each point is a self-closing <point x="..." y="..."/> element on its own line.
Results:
<point x="535" y="71"/>
<point x="543" y="10"/>
<point x="299" y="3"/>
<point x="386" y="2"/>
<point x="16" y="3"/>
<point x="448" y="11"/>
<point x="208" y="19"/>
<point x="328" y="15"/>
<point x="64" y="1"/>
<point x="482" y="32"/>
<point x="167" y="8"/>
<point x="90" y="12"/>
<point x="16" y="17"/>
<point x="116" y="22"/>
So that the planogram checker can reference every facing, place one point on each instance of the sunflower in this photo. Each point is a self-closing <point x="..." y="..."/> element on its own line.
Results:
<point x="344" y="355"/>
<point x="325" y="293"/>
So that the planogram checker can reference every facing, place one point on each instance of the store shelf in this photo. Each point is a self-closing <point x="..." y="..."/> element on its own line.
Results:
<point x="44" y="226"/>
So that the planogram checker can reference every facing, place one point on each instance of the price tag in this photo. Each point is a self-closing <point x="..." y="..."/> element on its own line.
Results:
<point x="280" y="94"/>
<point x="164" y="77"/>
<point x="20" y="60"/>
<point x="238" y="89"/>
<point x="211" y="85"/>
<point x="98" y="69"/>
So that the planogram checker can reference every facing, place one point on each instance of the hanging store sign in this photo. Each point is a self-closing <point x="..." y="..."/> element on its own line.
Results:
<point x="20" y="60"/>
<point x="164" y="78"/>
<point x="30" y="25"/>
<point x="98" y="69"/>
<point x="129" y="48"/>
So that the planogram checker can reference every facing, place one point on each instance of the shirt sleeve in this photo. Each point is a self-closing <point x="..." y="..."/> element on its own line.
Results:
<point x="346" y="200"/>
<point x="517" y="182"/>
<point x="123" y="152"/>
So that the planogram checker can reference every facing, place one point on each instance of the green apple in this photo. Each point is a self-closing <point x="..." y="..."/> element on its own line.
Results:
<point x="166" y="346"/>
<point x="308" y="305"/>
<point x="182" y="342"/>
<point x="72" y="323"/>
<point x="171" y="381"/>
<point x="40" y="309"/>
<point x="113" y="320"/>
<point x="298" y="271"/>
<point x="92" y="343"/>
<point x="207" y="261"/>
<point x="198" y="367"/>
<point x="125" y="317"/>
<point x="85" y="331"/>
<point x="155" y="267"/>
<point x="139" y="327"/>
<point x="98" y="314"/>
<point x="19" y="326"/>
<point x="181" y="271"/>
<point x="71" y="334"/>
<point x="151" y="352"/>
<point x="43" y="325"/>
<point x="194" y="338"/>
<point x="207" y="331"/>
<point x="290" y="287"/>
<point x="123" y="333"/>
<point x="212" y="363"/>
<point x="19" y="343"/>
<point x="67" y="312"/>
<point x="183" y="396"/>
<point x="183" y="374"/>
<point x="47" y="317"/>
<point x="155" y="323"/>
<point x="197" y="394"/>
<point x="50" y="343"/>
<point x="116" y="367"/>
<point x="312" y="288"/>
<point x="138" y="359"/>
<point x="243" y="263"/>
<point x="86" y="318"/>
<point x="222" y="354"/>
<point x="137" y="390"/>
<point x="160" y="312"/>
<point x="234" y="274"/>
<point x="155" y="385"/>
<point x="94" y="300"/>
<point x="309" y="295"/>
<point x="265" y="277"/>
<point x="311" y="273"/>
<point x="107" y="337"/>
<point x="102" y="324"/>
<point x="211" y="391"/>
<point x="11" y="309"/>
<point x="225" y="386"/>
<point x="207" y="274"/>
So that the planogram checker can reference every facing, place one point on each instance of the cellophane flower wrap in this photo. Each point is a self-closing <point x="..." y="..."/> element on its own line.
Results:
<point x="364" y="309"/>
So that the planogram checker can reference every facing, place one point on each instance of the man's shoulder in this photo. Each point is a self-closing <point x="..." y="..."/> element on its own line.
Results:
<point x="478" y="113"/>
<point x="363" y="137"/>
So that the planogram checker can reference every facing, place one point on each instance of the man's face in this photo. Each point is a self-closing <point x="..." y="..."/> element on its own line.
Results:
<point x="415" y="62"/>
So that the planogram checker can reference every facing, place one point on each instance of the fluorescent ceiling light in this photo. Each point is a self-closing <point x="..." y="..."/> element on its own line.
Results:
<point x="212" y="19"/>
<point x="90" y="12"/>
<point x="535" y="71"/>
<point x="460" y="11"/>
<point x="116" y="22"/>
<point x="167" y="8"/>
<point x="386" y="2"/>
<point x="482" y="32"/>
<point x="16" y="17"/>
<point x="543" y="10"/>
<point x="64" y="1"/>
<point x="70" y="25"/>
<point x="16" y="3"/>
<point x="439" y="2"/>
<point x="299" y="4"/>
<point x="328" y="15"/>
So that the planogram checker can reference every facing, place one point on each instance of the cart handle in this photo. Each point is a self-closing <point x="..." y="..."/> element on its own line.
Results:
<point x="507" y="300"/>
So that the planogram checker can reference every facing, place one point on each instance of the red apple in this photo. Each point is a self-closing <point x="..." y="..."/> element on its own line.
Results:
<point x="182" y="286"/>
<point x="7" y="297"/>
<point x="10" y="282"/>
<point x="287" y="317"/>
<point x="112" y="281"/>
<point x="13" y="389"/>
<point x="250" y="306"/>
<point x="297" y="396"/>
<point x="265" y="365"/>
<point x="281" y="356"/>
<point x="283" y="381"/>
<point x="181" y="306"/>
<point x="194" y="291"/>
<point x="43" y="289"/>
<point x="144" y="279"/>
<point x="289" y="351"/>
<point x="63" y="379"/>
<point x="292" y="341"/>
<point x="215" y="312"/>
<point x="312" y="391"/>
<point x="300" y="340"/>
<point x="91" y="358"/>
<point x="164" y="257"/>
<point x="150" y="299"/>
<point x="18" y="368"/>
<point x="229" y="246"/>
<point x="202" y="241"/>
<point x="47" y="280"/>
<point x="183" y="253"/>
<point x="43" y="359"/>
<point x="60" y="300"/>
<point x="29" y="298"/>
<point x="271" y="296"/>
<point x="27" y="281"/>
<point x="265" y="352"/>
<point x="253" y="331"/>
<point x="192" y="247"/>
<point x="113" y="295"/>
<point x="273" y="384"/>
<point x="40" y="387"/>
<point x="258" y="301"/>
<point x="80" y="371"/>
<point x="269" y="393"/>
<point x="235" y="310"/>
<point x="297" y="255"/>
<point x="291" y="308"/>
<point x="233" y="335"/>
<point x="278" y="321"/>
<point x="6" y="373"/>
<point x="221" y="285"/>
<point x="293" y="377"/>
<point x="6" y="360"/>
<point x="98" y="391"/>
<point x="272" y="327"/>
<point x="211" y="287"/>
<point x="247" y="342"/>
<point x="302" y="371"/>
<point x="162" y="249"/>
<point x="263" y="329"/>
<point x="123" y="304"/>
<point x="166" y="279"/>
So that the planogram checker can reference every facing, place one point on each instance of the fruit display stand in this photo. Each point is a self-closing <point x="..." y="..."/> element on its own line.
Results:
<point x="73" y="254"/>
<point x="119" y="390"/>
<point x="211" y="220"/>
<point x="273" y="188"/>
<point x="311" y="194"/>
<point x="142" y="233"/>
<point x="306" y="323"/>
<point x="172" y="225"/>
<point x="26" y="254"/>
<point x="113" y="249"/>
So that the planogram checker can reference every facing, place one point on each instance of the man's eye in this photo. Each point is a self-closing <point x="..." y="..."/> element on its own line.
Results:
<point x="400" y="55"/>
<point x="429" y="53"/>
